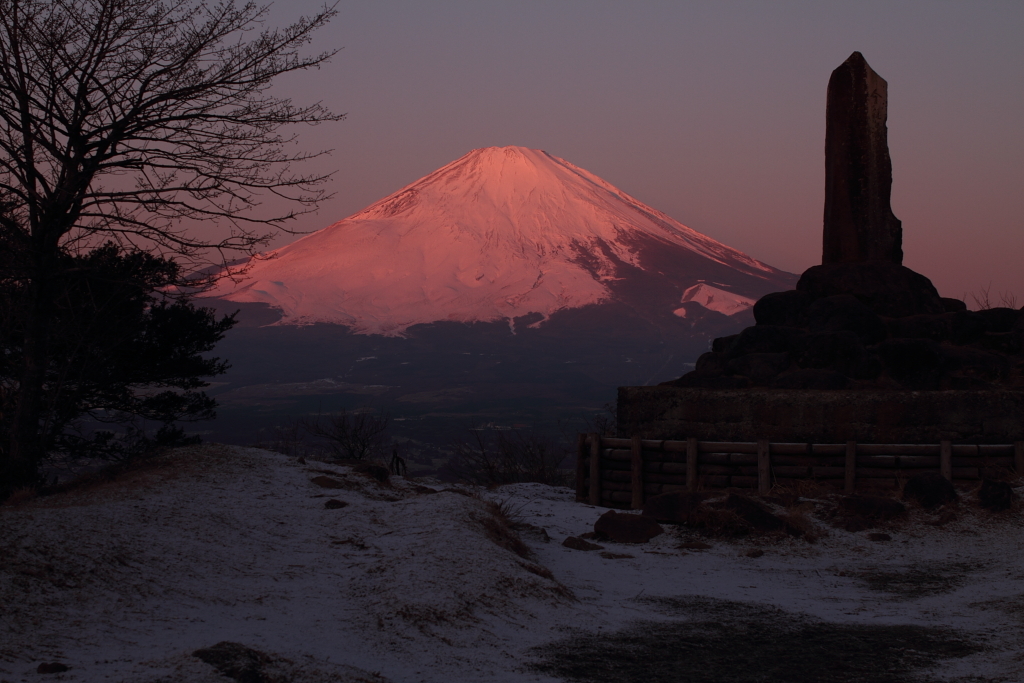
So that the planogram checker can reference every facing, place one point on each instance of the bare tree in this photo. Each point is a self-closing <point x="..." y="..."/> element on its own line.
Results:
<point x="125" y="120"/>
<point x="509" y="456"/>
<point x="351" y="436"/>
<point x="983" y="299"/>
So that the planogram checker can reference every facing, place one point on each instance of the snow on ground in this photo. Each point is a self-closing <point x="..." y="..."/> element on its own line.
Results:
<point x="416" y="581"/>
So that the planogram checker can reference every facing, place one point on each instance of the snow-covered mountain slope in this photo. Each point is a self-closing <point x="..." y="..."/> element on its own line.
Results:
<point x="715" y="299"/>
<point x="500" y="233"/>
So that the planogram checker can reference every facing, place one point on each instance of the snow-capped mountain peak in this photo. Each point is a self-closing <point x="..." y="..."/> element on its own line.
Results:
<point x="499" y="233"/>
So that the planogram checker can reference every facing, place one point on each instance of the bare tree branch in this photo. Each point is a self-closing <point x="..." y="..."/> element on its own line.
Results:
<point x="128" y="116"/>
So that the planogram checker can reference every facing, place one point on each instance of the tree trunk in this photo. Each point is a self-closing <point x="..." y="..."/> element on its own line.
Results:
<point x="26" y="444"/>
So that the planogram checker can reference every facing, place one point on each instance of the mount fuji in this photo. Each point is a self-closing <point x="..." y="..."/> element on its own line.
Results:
<point x="499" y="234"/>
<point x="507" y="288"/>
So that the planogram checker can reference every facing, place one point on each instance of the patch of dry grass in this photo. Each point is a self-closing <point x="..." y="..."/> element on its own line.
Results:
<point x="125" y="477"/>
<point x="800" y="520"/>
<point x="500" y="529"/>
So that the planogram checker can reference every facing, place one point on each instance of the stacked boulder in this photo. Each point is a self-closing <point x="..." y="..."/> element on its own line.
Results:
<point x="875" y="325"/>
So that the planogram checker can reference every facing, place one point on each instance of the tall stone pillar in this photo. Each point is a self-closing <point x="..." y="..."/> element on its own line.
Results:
<point x="859" y="223"/>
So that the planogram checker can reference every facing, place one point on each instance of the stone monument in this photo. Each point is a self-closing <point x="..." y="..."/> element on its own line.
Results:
<point x="864" y="348"/>
<point x="859" y="223"/>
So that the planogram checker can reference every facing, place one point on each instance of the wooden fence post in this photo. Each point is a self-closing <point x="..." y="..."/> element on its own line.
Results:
<point x="946" y="459"/>
<point x="595" y="469"/>
<point x="1018" y="457"/>
<point x="581" y="467"/>
<point x="637" y="478"/>
<point x="850" y="475"/>
<point x="764" y="472"/>
<point x="691" y="464"/>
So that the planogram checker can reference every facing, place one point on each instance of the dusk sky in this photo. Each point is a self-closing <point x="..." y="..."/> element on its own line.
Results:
<point x="713" y="112"/>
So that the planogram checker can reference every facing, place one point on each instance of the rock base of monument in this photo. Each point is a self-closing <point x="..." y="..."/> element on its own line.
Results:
<point x="866" y="326"/>
<point x="821" y="416"/>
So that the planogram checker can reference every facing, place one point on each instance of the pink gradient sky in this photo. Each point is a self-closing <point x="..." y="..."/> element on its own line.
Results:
<point x="712" y="112"/>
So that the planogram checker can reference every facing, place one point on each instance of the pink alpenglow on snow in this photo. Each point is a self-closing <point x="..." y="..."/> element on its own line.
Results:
<point x="500" y="233"/>
<point x="715" y="299"/>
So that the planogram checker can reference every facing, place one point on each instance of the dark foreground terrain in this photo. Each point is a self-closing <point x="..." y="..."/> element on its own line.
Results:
<point x="219" y="560"/>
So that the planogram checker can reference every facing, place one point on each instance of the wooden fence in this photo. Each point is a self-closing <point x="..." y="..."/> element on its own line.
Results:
<point x="621" y="473"/>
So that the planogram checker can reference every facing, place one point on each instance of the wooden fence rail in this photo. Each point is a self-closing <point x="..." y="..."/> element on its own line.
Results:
<point x="617" y="472"/>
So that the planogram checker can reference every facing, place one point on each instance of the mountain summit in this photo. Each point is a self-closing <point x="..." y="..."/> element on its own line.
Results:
<point x="501" y="233"/>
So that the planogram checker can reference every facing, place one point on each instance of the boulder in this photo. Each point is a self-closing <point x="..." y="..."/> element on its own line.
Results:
<point x="812" y="379"/>
<point x="236" y="661"/>
<point x="757" y="516"/>
<point x="335" y="504"/>
<point x="888" y="289"/>
<point x="965" y="327"/>
<point x="929" y="490"/>
<point x="765" y="339"/>
<point x="845" y="312"/>
<point x="761" y="368"/>
<point x="953" y="304"/>
<point x="995" y="495"/>
<point x="999" y="319"/>
<point x="675" y="507"/>
<point x="710" y="364"/>
<point x="51" y="668"/>
<point x="788" y="309"/>
<point x="911" y="361"/>
<point x="1002" y="342"/>
<point x="722" y="344"/>
<point x="626" y="528"/>
<point x="831" y="350"/>
<point x="579" y="544"/>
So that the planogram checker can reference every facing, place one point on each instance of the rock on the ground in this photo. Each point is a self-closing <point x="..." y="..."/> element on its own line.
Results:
<point x="758" y="516"/>
<point x="995" y="495"/>
<point x="579" y="544"/>
<point x="929" y="490"/>
<point x="51" y="668"/>
<point x="236" y="661"/>
<point x="625" y="528"/>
